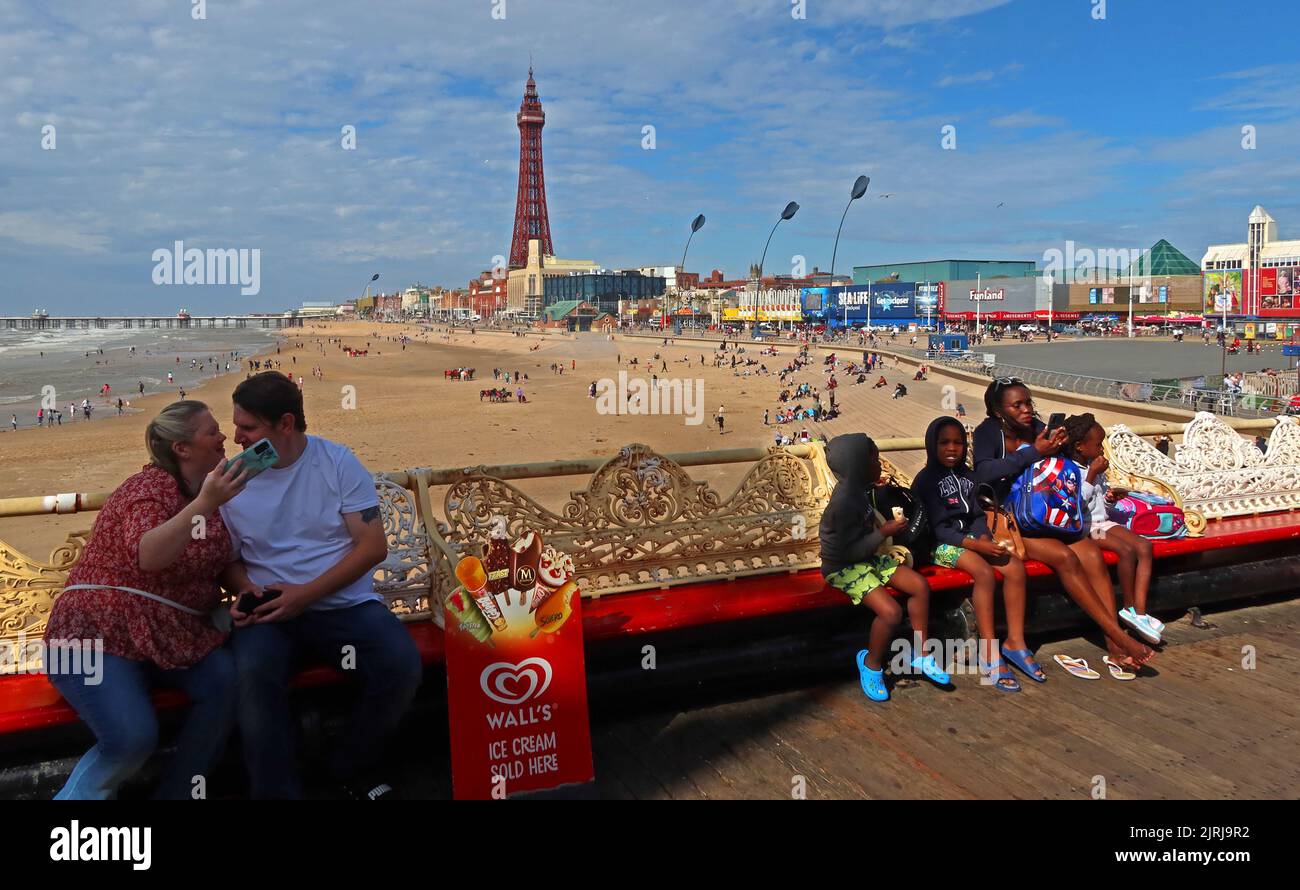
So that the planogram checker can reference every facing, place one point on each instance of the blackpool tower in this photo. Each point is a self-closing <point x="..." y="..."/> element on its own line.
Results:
<point x="530" y="204"/>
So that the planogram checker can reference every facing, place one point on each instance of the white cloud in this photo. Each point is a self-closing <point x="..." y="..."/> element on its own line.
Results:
<point x="1025" y="120"/>
<point x="981" y="76"/>
<point x="46" y="232"/>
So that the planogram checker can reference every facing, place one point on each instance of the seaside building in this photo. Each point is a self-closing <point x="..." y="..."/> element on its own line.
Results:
<point x="1256" y="281"/>
<point x="1163" y="282"/>
<point x="943" y="270"/>
<point x="569" y="315"/>
<point x="487" y="294"/>
<point x="524" y="287"/>
<point x="607" y="290"/>
<point x="531" y="220"/>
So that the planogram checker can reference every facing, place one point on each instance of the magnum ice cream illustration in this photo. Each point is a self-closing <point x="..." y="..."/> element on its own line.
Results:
<point x="525" y="556"/>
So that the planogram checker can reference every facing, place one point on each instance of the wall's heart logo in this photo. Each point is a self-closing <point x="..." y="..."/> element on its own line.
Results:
<point x="513" y="684"/>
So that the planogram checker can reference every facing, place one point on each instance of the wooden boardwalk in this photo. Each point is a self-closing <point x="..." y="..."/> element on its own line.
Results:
<point x="1198" y="726"/>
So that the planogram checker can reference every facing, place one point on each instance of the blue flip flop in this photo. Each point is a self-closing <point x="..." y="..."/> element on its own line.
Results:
<point x="873" y="682"/>
<point x="1024" y="660"/>
<point x="1003" y="673"/>
<point x="929" y="668"/>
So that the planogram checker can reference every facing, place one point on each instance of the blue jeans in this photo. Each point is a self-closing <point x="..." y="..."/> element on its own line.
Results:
<point x="382" y="660"/>
<point x="120" y="713"/>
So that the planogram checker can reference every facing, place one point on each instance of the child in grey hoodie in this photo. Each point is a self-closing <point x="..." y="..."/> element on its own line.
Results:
<point x="849" y="540"/>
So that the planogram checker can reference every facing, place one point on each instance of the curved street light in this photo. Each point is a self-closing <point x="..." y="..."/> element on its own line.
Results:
<point x="790" y="210"/>
<point x="859" y="189"/>
<point x="696" y="225"/>
<point x="365" y="292"/>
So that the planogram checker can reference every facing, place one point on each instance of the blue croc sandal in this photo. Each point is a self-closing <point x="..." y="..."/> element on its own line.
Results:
<point x="873" y="682"/>
<point x="1024" y="660"/>
<point x="930" y="670"/>
<point x="996" y="675"/>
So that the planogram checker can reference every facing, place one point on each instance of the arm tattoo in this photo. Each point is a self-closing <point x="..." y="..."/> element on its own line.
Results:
<point x="369" y="514"/>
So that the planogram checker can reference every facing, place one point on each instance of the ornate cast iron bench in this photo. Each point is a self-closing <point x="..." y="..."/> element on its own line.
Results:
<point x="641" y="522"/>
<point x="1215" y="473"/>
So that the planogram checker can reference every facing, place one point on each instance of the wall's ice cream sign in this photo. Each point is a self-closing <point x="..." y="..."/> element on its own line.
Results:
<point x="516" y="681"/>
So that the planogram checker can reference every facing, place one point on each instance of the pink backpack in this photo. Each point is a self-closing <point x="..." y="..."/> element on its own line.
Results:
<point x="1149" y="515"/>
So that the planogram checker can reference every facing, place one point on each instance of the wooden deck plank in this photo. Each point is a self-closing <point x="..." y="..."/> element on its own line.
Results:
<point x="1193" y="752"/>
<point x="1195" y="730"/>
<point x="943" y="752"/>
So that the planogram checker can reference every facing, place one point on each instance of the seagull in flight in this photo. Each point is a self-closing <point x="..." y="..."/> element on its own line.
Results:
<point x="887" y="195"/>
<point x="1002" y="204"/>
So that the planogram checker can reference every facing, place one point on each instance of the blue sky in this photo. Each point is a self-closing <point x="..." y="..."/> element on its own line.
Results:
<point x="225" y="133"/>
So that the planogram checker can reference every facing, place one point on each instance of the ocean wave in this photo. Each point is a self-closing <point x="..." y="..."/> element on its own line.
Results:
<point x="14" y="400"/>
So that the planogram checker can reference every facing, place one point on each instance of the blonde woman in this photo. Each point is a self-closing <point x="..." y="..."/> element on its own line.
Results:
<point x="146" y="586"/>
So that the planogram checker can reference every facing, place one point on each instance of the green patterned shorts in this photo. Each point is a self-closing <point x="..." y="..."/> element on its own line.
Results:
<point x="860" y="579"/>
<point x="946" y="555"/>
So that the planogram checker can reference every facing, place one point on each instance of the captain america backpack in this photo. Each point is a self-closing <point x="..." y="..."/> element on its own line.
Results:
<point x="1149" y="515"/>
<point x="1047" y="498"/>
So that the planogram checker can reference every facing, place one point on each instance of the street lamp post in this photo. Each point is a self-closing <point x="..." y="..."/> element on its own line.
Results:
<point x="366" y="292"/>
<point x="790" y="210"/>
<point x="696" y="225"/>
<point x="859" y="189"/>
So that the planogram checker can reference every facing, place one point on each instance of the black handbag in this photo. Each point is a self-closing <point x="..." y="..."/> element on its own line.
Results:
<point x="917" y="537"/>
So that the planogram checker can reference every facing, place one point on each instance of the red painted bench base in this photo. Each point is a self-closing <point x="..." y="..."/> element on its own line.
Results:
<point x="29" y="702"/>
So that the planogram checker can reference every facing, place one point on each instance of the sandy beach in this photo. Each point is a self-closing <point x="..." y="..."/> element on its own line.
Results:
<point x="407" y="415"/>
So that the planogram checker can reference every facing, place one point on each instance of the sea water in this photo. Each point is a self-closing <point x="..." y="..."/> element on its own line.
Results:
<point x="77" y="364"/>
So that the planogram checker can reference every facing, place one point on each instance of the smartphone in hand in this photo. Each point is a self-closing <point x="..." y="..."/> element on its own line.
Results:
<point x="1055" y="422"/>
<point x="249" y="601"/>
<point x="261" y="455"/>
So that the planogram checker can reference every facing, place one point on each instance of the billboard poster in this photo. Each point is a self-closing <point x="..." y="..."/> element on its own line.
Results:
<point x="888" y="301"/>
<point x="1108" y="295"/>
<point x="1279" y="287"/>
<point x="1094" y="295"/>
<point x="1250" y="330"/>
<point x="516" y="676"/>
<point x="1268" y="282"/>
<point x="814" y="299"/>
<point x="1164" y="293"/>
<point x="1223" y="291"/>
<point x="927" y="299"/>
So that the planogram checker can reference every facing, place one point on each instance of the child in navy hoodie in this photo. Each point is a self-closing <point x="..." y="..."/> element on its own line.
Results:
<point x="849" y="541"/>
<point x="947" y="488"/>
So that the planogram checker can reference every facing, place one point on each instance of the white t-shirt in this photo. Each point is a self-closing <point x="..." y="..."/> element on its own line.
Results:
<point x="287" y="524"/>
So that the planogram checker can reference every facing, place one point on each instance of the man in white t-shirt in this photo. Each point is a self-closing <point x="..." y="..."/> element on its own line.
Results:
<point x="309" y="526"/>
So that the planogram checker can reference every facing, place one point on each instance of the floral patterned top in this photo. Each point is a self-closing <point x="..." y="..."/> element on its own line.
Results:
<point x="132" y="626"/>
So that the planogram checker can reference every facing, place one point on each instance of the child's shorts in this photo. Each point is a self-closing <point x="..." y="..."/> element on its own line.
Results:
<point x="946" y="555"/>
<point x="861" y="578"/>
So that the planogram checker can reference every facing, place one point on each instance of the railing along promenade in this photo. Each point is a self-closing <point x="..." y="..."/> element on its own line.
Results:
<point x="132" y="322"/>
<point x="1168" y="394"/>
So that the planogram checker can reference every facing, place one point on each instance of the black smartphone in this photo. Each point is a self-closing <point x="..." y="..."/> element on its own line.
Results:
<point x="1055" y="422"/>
<point x="249" y="601"/>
